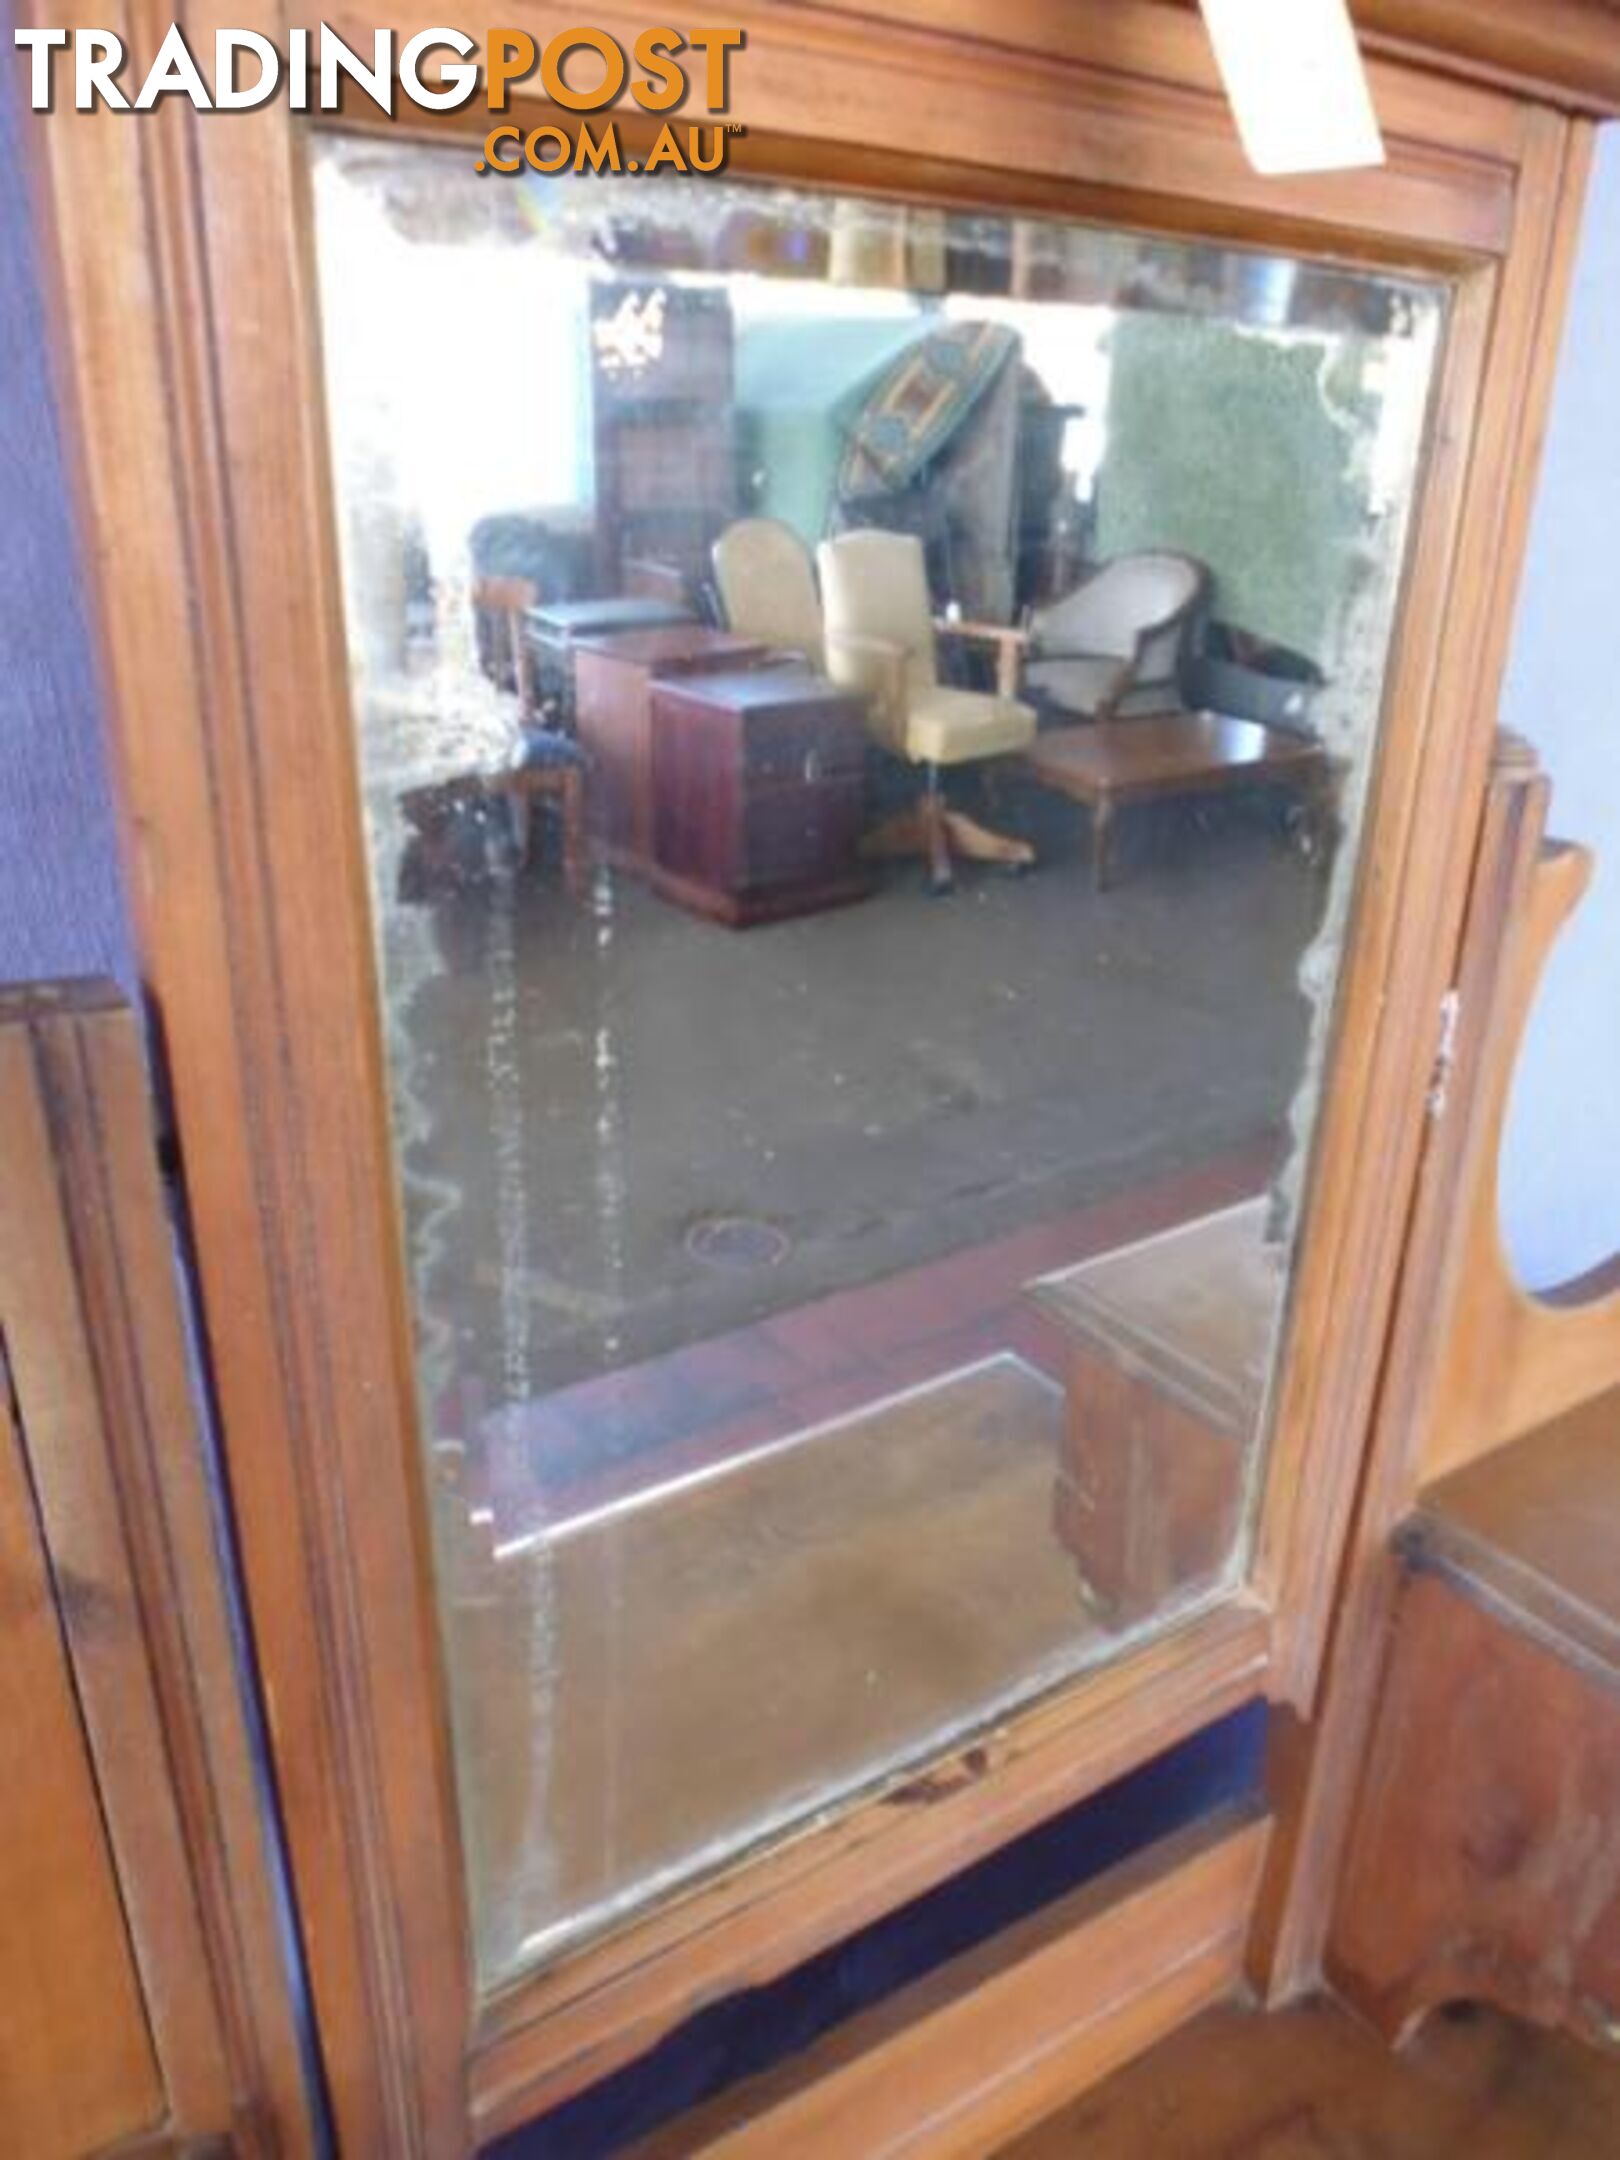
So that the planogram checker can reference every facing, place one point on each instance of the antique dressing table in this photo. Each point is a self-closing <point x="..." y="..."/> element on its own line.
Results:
<point x="446" y="1350"/>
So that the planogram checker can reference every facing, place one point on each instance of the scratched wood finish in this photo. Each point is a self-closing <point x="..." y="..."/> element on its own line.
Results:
<point x="1485" y="1859"/>
<point x="1492" y="1792"/>
<point x="102" y="1396"/>
<point x="186" y="289"/>
<point x="572" y="2025"/>
<point x="987" y="2045"/>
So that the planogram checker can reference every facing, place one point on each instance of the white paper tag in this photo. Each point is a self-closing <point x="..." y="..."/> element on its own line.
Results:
<point x="1298" y="88"/>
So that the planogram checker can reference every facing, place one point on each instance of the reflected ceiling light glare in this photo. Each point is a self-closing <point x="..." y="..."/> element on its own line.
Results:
<point x="1298" y="89"/>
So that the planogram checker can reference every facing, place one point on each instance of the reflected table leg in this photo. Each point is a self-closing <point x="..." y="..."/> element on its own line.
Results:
<point x="1102" y="843"/>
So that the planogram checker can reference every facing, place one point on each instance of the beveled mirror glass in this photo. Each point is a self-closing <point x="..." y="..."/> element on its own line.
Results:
<point x="864" y="716"/>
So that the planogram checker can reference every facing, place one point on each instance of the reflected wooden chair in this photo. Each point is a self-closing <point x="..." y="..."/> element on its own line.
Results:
<point x="500" y="607"/>
<point x="880" y="642"/>
<point x="549" y="768"/>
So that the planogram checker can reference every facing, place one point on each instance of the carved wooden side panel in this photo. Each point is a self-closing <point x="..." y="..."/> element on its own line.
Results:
<point x="140" y="1960"/>
<point x="76" y="2067"/>
<point x="1511" y="1359"/>
<point x="1484" y="1859"/>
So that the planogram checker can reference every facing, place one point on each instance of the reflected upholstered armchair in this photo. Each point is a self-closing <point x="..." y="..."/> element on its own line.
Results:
<point x="1115" y="644"/>
<point x="880" y="643"/>
<point x="767" y="587"/>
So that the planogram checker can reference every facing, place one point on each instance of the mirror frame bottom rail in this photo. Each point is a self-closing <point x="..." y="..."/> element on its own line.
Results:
<point x="983" y="2048"/>
<point x="549" y="2036"/>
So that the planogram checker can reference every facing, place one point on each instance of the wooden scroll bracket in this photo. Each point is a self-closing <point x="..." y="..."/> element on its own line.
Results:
<point x="1474" y="1362"/>
<point x="1511" y="1358"/>
<point x="1483" y="1861"/>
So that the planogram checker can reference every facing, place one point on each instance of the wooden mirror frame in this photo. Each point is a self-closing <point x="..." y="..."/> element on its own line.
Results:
<point x="181" y="251"/>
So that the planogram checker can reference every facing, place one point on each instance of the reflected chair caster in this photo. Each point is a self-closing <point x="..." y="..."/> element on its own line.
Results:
<point x="932" y="829"/>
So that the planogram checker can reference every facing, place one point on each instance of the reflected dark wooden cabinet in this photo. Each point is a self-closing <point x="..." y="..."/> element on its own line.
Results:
<point x="759" y="793"/>
<point x="666" y="479"/>
<point x="613" y="681"/>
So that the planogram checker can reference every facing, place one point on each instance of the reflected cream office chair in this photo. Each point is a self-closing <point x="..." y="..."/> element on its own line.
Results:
<point x="767" y="587"/>
<point x="880" y="642"/>
<point x="1114" y="645"/>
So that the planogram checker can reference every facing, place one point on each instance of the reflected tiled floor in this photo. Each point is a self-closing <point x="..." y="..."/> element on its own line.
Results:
<point x="878" y="1087"/>
<point x="542" y="1462"/>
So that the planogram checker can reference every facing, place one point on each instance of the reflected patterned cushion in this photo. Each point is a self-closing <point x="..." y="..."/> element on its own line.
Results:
<point x="543" y="747"/>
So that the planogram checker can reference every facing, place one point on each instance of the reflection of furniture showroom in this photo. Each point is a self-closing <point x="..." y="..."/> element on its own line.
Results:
<point x="257" y="943"/>
<point x="662" y="415"/>
<point x="1112" y="650"/>
<point x="557" y="627"/>
<point x="1008" y="643"/>
<point x="880" y="643"/>
<point x="500" y="608"/>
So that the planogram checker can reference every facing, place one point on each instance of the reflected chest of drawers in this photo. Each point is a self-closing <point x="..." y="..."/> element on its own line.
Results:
<point x="757" y="786"/>
<point x="614" y="675"/>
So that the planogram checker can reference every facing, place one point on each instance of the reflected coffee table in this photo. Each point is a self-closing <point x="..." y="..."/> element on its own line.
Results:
<point x="1105" y="763"/>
